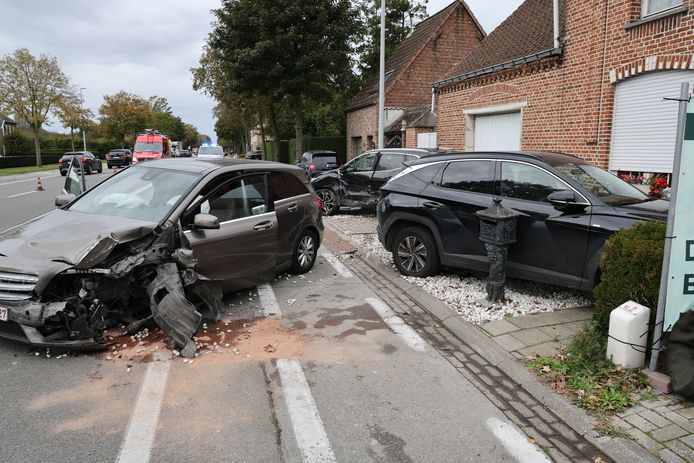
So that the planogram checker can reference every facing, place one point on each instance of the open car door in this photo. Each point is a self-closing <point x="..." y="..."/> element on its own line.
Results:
<point x="75" y="183"/>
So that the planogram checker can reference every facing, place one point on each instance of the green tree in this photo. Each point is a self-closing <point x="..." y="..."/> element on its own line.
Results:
<point x="125" y="113"/>
<point x="285" y="50"/>
<point x="72" y="115"/>
<point x="400" y="16"/>
<point x="32" y="88"/>
<point x="164" y="120"/>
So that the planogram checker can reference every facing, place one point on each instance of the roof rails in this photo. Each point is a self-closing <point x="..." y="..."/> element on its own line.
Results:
<point x="151" y="132"/>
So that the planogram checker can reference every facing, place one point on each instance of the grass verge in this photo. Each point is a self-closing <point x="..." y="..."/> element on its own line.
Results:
<point x="584" y="374"/>
<point x="26" y="170"/>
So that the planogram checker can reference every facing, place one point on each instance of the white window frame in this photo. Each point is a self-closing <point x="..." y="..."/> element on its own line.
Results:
<point x="646" y="3"/>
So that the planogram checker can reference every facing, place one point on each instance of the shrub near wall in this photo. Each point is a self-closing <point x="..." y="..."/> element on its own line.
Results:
<point x="25" y="161"/>
<point x="630" y="266"/>
<point x="336" y="144"/>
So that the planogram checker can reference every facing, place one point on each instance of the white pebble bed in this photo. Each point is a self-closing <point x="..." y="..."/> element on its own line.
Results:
<point x="465" y="292"/>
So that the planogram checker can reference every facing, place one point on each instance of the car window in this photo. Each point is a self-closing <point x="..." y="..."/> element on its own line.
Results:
<point x="389" y="161"/>
<point x="363" y="163"/>
<point x="523" y="181"/>
<point x="142" y="193"/>
<point x="244" y="197"/>
<point x="324" y="159"/>
<point x="284" y="186"/>
<point x="409" y="157"/>
<point x="475" y="176"/>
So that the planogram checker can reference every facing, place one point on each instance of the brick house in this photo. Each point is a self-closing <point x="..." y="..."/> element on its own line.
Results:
<point x="597" y="93"/>
<point x="421" y="58"/>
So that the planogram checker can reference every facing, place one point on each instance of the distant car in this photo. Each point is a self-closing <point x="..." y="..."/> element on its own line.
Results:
<point x="210" y="152"/>
<point x="254" y="155"/>
<point x="184" y="153"/>
<point x="91" y="163"/>
<point x="118" y="158"/>
<point x="356" y="184"/>
<point x="568" y="208"/>
<point x="316" y="162"/>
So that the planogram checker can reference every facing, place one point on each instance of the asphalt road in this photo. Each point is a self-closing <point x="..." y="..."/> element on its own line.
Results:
<point x="333" y="375"/>
<point x="20" y="200"/>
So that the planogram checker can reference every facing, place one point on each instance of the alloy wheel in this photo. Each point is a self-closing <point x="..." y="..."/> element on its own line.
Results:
<point x="306" y="252"/>
<point x="327" y="197"/>
<point x="412" y="254"/>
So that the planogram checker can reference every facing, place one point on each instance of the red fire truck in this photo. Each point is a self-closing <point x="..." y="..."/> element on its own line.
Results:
<point x="151" y="144"/>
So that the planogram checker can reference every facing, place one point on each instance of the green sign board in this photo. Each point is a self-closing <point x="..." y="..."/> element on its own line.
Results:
<point x="680" y="287"/>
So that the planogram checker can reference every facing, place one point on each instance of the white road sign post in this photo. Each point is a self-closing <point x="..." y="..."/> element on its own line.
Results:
<point x="677" y="280"/>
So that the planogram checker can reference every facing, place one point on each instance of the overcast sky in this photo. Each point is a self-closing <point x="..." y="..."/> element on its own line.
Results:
<point x="142" y="47"/>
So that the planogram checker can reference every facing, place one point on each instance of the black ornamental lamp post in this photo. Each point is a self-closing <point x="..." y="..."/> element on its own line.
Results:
<point x="497" y="232"/>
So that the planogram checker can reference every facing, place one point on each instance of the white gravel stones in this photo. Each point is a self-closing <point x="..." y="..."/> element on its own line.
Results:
<point x="464" y="293"/>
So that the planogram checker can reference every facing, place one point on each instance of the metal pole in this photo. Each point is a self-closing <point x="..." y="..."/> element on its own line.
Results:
<point x="660" y="313"/>
<point x="84" y="136"/>
<point x="381" y="80"/>
<point x="555" y="7"/>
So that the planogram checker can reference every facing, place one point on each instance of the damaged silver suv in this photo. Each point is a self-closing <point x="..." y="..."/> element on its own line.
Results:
<point x="163" y="239"/>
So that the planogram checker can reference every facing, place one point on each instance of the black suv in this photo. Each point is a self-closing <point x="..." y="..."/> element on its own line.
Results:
<point x="90" y="162"/>
<point x="316" y="162"/>
<point x="357" y="183"/>
<point x="567" y="207"/>
<point x="119" y="157"/>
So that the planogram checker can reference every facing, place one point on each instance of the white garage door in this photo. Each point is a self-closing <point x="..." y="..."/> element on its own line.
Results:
<point x="498" y="132"/>
<point x="426" y="140"/>
<point x="644" y="125"/>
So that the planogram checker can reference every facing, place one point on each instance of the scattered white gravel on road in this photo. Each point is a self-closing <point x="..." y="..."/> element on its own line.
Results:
<point x="463" y="292"/>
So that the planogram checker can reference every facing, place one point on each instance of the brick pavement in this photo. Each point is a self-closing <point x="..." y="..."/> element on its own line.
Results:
<point x="664" y="426"/>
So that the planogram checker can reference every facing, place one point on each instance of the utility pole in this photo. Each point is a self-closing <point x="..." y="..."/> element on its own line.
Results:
<point x="381" y="80"/>
<point x="84" y="136"/>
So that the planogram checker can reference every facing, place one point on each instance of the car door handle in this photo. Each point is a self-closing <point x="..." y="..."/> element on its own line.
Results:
<point x="431" y="204"/>
<point x="263" y="226"/>
<point x="293" y="207"/>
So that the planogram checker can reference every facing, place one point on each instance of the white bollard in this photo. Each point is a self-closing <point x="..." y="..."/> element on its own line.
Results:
<point x="626" y="345"/>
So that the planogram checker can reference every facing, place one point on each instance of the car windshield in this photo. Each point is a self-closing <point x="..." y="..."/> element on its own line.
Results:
<point x="143" y="193"/>
<point x="154" y="147"/>
<point x="211" y="150"/>
<point x="609" y="188"/>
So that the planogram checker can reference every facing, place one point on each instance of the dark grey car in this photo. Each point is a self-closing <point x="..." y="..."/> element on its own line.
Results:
<point x="164" y="239"/>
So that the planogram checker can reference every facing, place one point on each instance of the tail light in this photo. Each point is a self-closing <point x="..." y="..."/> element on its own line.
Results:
<point x="85" y="159"/>
<point x="312" y="166"/>
<point x="319" y="203"/>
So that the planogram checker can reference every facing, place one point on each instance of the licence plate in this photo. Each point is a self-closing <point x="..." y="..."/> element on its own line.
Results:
<point x="4" y="314"/>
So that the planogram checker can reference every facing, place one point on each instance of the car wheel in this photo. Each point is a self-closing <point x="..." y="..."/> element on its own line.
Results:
<point x="63" y="173"/>
<point x="329" y="200"/>
<point x="101" y="168"/>
<point x="305" y="251"/>
<point x="89" y="170"/>
<point x="415" y="253"/>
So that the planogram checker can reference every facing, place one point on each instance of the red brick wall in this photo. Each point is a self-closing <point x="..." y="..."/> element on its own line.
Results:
<point x="361" y="123"/>
<point x="570" y="100"/>
<point x="458" y="35"/>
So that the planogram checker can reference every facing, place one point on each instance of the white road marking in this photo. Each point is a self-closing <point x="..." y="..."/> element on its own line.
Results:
<point x="516" y="442"/>
<point x="308" y="427"/>
<point x="399" y="327"/>
<point x="139" y="438"/>
<point x="22" y="194"/>
<point x="32" y="179"/>
<point x="335" y="262"/>
<point x="268" y="300"/>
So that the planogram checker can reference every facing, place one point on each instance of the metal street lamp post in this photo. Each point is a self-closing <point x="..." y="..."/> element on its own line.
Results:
<point x="84" y="135"/>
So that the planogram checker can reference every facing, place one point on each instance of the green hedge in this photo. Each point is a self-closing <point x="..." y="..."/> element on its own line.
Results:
<point x="284" y="151"/>
<point x="630" y="266"/>
<point x="26" y="161"/>
<point x="337" y="144"/>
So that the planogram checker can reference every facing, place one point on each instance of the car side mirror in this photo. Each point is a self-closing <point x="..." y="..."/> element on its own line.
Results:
<point x="563" y="200"/>
<point x="205" y="222"/>
<point x="62" y="200"/>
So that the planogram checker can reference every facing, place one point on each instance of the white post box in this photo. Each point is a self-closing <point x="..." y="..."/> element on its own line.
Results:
<point x="626" y="345"/>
